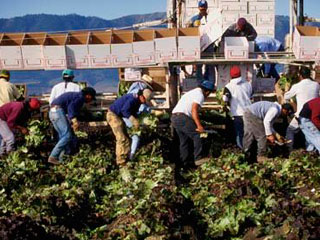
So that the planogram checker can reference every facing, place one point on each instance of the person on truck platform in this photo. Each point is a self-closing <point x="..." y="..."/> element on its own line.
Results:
<point x="8" y="91"/>
<point x="242" y="28"/>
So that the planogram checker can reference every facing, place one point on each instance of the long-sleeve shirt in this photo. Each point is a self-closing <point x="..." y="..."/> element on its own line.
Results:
<point x="62" y="88"/>
<point x="268" y="112"/>
<point x="304" y="91"/>
<point x="311" y="110"/>
<point x="238" y="93"/>
<point x="8" y="92"/>
<point x="14" y="113"/>
<point x="249" y="32"/>
<point x="71" y="103"/>
<point x="126" y="106"/>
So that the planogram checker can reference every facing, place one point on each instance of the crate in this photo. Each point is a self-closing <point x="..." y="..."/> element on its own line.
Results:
<point x="132" y="74"/>
<point x="54" y="51"/>
<point x="77" y="50"/>
<point x="32" y="52"/>
<point x="263" y="85"/>
<point x="144" y="47"/>
<point x="306" y="44"/>
<point x="99" y="49"/>
<point x="188" y="44"/>
<point x="236" y="48"/>
<point x="122" y="48"/>
<point x="10" y="51"/>
<point x="165" y="45"/>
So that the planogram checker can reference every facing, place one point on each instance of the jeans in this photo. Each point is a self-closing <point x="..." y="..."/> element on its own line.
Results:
<point x="62" y="126"/>
<point x="135" y="139"/>
<point x="7" y="139"/>
<point x="186" y="130"/>
<point x="254" y="131"/>
<point x="238" y="126"/>
<point x="311" y="132"/>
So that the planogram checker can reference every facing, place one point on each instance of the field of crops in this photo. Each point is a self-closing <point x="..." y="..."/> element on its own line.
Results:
<point x="88" y="197"/>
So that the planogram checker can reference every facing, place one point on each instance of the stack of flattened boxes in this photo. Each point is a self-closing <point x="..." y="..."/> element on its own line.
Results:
<point x="260" y="13"/>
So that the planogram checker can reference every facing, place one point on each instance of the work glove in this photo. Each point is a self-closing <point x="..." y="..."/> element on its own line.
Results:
<point x="75" y="124"/>
<point x="158" y="113"/>
<point x="135" y="122"/>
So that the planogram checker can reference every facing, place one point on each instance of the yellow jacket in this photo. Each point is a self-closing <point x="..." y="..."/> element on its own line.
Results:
<point x="8" y="92"/>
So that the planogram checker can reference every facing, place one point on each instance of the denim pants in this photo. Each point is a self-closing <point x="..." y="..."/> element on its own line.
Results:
<point x="238" y="127"/>
<point x="7" y="139"/>
<point x="311" y="132"/>
<point x="186" y="130"/>
<point x="62" y="126"/>
<point x="135" y="139"/>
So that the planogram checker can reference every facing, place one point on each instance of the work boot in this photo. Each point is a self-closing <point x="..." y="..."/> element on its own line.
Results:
<point x="202" y="161"/>
<point x="262" y="159"/>
<point x="53" y="160"/>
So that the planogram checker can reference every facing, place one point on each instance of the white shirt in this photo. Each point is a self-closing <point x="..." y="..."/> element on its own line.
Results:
<point x="185" y="103"/>
<point x="304" y="91"/>
<point x="61" y="88"/>
<point x="241" y="92"/>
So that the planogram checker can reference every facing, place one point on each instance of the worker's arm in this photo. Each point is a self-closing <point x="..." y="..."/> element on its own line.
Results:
<point x="226" y="97"/>
<point x="16" y="93"/>
<point x="195" y="117"/>
<point x="290" y="94"/>
<point x="270" y="117"/>
<point x="252" y="33"/>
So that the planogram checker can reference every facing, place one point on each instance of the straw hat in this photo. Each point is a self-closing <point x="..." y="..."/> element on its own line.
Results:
<point x="147" y="80"/>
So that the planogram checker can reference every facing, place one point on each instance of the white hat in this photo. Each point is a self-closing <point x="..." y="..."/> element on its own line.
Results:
<point x="147" y="80"/>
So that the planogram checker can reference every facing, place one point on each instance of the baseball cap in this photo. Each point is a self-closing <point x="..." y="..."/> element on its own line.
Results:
<point x="235" y="71"/>
<point x="5" y="73"/>
<point x="207" y="85"/>
<point x="67" y="73"/>
<point x="34" y="103"/>
<point x="203" y="4"/>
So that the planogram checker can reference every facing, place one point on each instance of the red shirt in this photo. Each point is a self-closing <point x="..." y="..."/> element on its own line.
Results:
<point x="311" y="110"/>
<point x="14" y="113"/>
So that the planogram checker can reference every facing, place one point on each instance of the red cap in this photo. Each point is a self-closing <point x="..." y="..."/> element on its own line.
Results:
<point x="235" y="71"/>
<point x="34" y="104"/>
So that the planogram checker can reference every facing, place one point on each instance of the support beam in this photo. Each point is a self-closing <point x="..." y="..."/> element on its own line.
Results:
<point x="301" y="12"/>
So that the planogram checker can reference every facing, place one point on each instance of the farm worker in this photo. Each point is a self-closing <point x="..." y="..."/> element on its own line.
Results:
<point x="8" y="91"/>
<point x="126" y="106"/>
<point x="305" y="90"/>
<point x="241" y="29"/>
<point x="14" y="115"/>
<point x="237" y="94"/>
<point x="258" y="121"/>
<point x="144" y="83"/>
<point x="309" y="122"/>
<point x="198" y="20"/>
<point x="66" y="86"/>
<point x="268" y="44"/>
<point x="69" y="103"/>
<point x="186" y="122"/>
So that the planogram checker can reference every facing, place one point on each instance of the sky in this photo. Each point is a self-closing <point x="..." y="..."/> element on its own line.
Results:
<point x="111" y="9"/>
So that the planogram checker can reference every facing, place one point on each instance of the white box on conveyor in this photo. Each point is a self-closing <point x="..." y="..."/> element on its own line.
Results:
<point x="10" y="51"/>
<point x="122" y="48"/>
<point x="32" y="52"/>
<point x="236" y="48"/>
<point x="100" y="49"/>
<point x="54" y="51"/>
<point x="77" y="50"/>
<point x="306" y="44"/>
<point x="188" y="44"/>
<point x="166" y="45"/>
<point x="144" y="47"/>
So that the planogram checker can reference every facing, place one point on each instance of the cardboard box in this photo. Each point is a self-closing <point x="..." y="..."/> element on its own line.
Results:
<point x="236" y="48"/>
<point x="54" y="51"/>
<point x="263" y="85"/>
<point x="261" y="7"/>
<point x="306" y="44"/>
<point x="166" y="45"/>
<point x="10" y="51"/>
<point x="188" y="44"/>
<point x="144" y="47"/>
<point x="122" y="48"/>
<point x="265" y="19"/>
<point x="132" y="74"/>
<point x="236" y="7"/>
<point x="77" y="50"/>
<point x="99" y="49"/>
<point x="32" y="52"/>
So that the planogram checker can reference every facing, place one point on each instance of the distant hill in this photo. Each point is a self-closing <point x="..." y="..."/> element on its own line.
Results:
<point x="105" y="80"/>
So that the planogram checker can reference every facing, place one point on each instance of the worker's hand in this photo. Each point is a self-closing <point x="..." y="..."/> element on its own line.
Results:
<point x="200" y="129"/>
<point x="24" y="130"/>
<point x="280" y="138"/>
<point x="271" y="138"/>
<point x="158" y="113"/>
<point x="75" y="124"/>
<point x="135" y="122"/>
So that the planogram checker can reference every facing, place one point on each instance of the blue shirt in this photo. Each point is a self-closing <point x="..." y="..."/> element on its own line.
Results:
<point x="126" y="106"/>
<point x="195" y="18"/>
<point x="136" y="86"/>
<point x="70" y="102"/>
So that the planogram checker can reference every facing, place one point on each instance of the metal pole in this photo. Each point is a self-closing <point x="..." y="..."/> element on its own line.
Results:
<point x="174" y="12"/>
<point x="301" y="9"/>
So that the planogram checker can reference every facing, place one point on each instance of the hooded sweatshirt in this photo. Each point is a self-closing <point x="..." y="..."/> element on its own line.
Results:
<point x="238" y="93"/>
